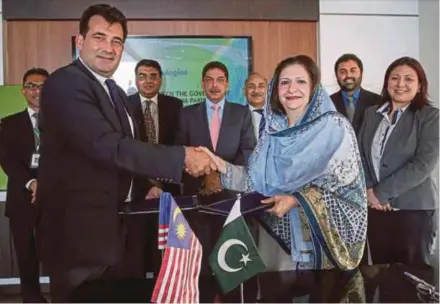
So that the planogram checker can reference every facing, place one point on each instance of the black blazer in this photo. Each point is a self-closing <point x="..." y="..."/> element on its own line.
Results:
<point x="409" y="158"/>
<point x="169" y="111"/>
<point x="366" y="100"/>
<point x="236" y="139"/>
<point x="85" y="171"/>
<point x="17" y="144"/>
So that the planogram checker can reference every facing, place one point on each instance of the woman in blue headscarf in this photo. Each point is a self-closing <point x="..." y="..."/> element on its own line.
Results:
<point x="308" y="163"/>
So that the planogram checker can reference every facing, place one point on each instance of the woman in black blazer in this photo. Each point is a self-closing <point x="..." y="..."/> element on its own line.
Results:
<point x="399" y="143"/>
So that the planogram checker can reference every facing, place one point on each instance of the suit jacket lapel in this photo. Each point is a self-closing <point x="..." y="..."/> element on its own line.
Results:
<point x="369" y="141"/>
<point x="161" y="106"/>
<point x="130" y="112"/>
<point x="339" y="103"/>
<point x="104" y="99"/>
<point x="403" y="126"/>
<point x="225" y="123"/>
<point x="202" y="123"/>
<point x="28" y="130"/>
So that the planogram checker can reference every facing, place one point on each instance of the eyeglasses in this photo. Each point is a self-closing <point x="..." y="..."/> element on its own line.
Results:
<point x="33" y="86"/>
<point x="144" y="76"/>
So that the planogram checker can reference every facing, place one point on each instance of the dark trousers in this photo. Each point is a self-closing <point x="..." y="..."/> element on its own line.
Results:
<point x="28" y="265"/>
<point x="403" y="236"/>
<point x="67" y="283"/>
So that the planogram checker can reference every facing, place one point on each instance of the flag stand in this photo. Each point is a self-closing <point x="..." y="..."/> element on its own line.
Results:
<point x="241" y="293"/>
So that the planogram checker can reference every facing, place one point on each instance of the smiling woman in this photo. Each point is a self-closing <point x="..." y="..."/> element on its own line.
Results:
<point x="308" y="162"/>
<point x="399" y="143"/>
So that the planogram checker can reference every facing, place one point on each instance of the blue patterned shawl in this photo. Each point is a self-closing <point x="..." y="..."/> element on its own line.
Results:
<point x="317" y="160"/>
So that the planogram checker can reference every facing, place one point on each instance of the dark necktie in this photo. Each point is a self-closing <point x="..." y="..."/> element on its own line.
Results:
<point x="262" y="122"/>
<point x="36" y="116"/>
<point x="350" y="108"/>
<point x="150" y="127"/>
<point x="119" y="106"/>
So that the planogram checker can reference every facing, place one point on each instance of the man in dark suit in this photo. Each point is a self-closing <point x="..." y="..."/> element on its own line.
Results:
<point x="223" y="127"/>
<point x="226" y="129"/>
<point x="89" y="157"/>
<point x="19" y="143"/>
<point x="352" y="100"/>
<point x="157" y="119"/>
<point x="156" y="114"/>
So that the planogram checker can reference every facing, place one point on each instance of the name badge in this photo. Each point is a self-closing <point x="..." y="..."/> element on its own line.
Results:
<point x="35" y="160"/>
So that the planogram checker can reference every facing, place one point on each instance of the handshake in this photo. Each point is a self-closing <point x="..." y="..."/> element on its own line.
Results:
<point x="202" y="162"/>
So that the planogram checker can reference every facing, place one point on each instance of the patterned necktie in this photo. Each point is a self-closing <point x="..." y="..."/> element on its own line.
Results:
<point x="350" y="108"/>
<point x="150" y="128"/>
<point x="119" y="106"/>
<point x="36" y="116"/>
<point x="214" y="128"/>
<point x="262" y="122"/>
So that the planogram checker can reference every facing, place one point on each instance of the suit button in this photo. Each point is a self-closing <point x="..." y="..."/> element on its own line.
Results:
<point x="385" y="165"/>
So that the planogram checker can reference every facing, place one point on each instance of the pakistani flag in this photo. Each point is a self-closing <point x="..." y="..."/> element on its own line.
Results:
<point x="235" y="257"/>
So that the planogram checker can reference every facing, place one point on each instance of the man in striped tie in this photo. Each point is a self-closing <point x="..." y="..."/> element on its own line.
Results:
<point x="255" y="90"/>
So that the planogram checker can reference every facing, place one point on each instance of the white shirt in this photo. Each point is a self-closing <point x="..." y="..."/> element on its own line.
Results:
<point x="383" y="132"/>
<point x="102" y="80"/>
<point x="31" y="112"/>
<point x="154" y="108"/>
<point x="256" y="118"/>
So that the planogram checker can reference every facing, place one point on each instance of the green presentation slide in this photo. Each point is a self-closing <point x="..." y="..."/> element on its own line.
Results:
<point x="11" y="101"/>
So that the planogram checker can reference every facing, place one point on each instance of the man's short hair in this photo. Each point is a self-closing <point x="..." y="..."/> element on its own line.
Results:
<point x="35" y="71"/>
<point x="109" y="13"/>
<point x="215" y="65"/>
<point x="149" y="63"/>
<point x="348" y="57"/>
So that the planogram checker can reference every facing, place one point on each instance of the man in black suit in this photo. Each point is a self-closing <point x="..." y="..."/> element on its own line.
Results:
<point x="89" y="157"/>
<point x="19" y="143"/>
<point x="226" y="129"/>
<point x="157" y="119"/>
<point x="156" y="114"/>
<point x="223" y="127"/>
<point x="352" y="100"/>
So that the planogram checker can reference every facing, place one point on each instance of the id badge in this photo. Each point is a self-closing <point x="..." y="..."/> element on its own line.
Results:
<point x="34" y="160"/>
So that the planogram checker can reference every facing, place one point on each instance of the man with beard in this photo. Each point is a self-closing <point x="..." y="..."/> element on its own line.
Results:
<point x="19" y="145"/>
<point x="255" y="90"/>
<point x="352" y="100"/>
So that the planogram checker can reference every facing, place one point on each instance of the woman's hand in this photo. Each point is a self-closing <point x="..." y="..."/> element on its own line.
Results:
<point x="220" y="163"/>
<point x="282" y="204"/>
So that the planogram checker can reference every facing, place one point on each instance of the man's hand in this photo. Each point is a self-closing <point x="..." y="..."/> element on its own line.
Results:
<point x="198" y="163"/>
<point x="374" y="203"/>
<point x="282" y="204"/>
<point x="154" y="192"/>
<point x="33" y="188"/>
<point x="220" y="163"/>
<point x="211" y="184"/>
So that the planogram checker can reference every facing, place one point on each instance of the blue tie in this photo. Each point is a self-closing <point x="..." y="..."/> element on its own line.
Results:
<point x="262" y="122"/>
<point x="119" y="106"/>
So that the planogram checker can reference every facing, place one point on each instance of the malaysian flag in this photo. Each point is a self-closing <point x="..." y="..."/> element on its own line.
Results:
<point x="178" y="280"/>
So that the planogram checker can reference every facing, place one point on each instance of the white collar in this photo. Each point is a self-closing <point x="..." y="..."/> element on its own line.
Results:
<point x="100" y="78"/>
<point x="154" y="99"/>
<point x="31" y="112"/>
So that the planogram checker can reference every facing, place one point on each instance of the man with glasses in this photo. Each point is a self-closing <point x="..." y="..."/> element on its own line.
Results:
<point x="19" y="146"/>
<point x="157" y="118"/>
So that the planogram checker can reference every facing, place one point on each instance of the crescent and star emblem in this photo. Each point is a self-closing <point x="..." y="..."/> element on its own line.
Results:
<point x="177" y="211"/>
<point x="221" y="257"/>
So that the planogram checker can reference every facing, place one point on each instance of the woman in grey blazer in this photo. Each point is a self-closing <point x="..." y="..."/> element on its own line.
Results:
<point x="399" y="143"/>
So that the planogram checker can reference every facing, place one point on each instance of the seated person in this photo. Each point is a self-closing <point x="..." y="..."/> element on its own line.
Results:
<point x="308" y="162"/>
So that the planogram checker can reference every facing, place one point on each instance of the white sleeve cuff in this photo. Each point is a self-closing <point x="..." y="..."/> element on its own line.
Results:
<point x="28" y="184"/>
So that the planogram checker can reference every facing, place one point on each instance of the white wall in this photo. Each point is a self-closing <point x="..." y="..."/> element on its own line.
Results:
<point x="377" y="31"/>
<point x="429" y="44"/>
